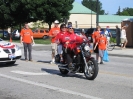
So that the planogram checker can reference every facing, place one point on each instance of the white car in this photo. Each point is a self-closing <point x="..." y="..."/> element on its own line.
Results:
<point x="16" y="34"/>
<point x="9" y="52"/>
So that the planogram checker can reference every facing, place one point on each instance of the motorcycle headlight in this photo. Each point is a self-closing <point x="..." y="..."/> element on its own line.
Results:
<point x="17" y="47"/>
<point x="87" y="47"/>
<point x="87" y="54"/>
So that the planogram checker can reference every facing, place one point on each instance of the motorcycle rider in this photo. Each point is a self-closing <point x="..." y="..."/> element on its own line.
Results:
<point x="58" y="38"/>
<point x="69" y="41"/>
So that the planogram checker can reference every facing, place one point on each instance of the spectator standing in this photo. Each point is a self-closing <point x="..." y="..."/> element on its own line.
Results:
<point x="95" y="36"/>
<point x="123" y="37"/>
<point x="52" y="34"/>
<point x="27" y="40"/>
<point x="118" y="33"/>
<point x="108" y="34"/>
<point x="102" y="45"/>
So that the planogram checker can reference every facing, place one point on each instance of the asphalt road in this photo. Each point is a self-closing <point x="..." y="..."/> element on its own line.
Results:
<point x="41" y="80"/>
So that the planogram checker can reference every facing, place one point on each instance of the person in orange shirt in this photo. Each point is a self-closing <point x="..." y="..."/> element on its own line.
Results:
<point x="102" y="45"/>
<point x="52" y="34"/>
<point x="27" y="40"/>
<point x="95" y="37"/>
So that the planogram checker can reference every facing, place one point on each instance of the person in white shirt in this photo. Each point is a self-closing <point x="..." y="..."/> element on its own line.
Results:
<point x="123" y="37"/>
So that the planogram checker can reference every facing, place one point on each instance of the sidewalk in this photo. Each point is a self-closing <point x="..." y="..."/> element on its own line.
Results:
<point x="117" y="51"/>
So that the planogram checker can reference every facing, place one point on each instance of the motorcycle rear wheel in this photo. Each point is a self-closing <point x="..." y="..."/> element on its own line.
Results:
<point x="91" y="71"/>
<point x="64" y="71"/>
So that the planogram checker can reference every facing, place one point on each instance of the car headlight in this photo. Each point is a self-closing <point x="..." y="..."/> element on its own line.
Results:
<point x="17" y="47"/>
<point x="87" y="48"/>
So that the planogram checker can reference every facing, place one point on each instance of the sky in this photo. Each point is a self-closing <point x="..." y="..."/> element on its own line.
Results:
<point x="111" y="6"/>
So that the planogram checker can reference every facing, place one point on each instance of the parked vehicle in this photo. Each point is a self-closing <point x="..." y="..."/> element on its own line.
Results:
<point x="113" y="32"/>
<point x="44" y="34"/>
<point x="86" y="65"/>
<point x="6" y="34"/>
<point x="77" y="30"/>
<point x="16" y="34"/>
<point x="9" y="52"/>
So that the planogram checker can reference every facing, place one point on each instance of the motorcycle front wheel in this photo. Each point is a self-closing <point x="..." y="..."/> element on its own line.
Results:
<point x="91" y="71"/>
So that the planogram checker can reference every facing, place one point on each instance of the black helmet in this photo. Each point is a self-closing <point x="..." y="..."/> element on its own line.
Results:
<point x="62" y="25"/>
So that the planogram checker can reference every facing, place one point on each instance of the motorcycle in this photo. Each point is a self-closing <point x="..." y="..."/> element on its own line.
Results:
<point x="82" y="63"/>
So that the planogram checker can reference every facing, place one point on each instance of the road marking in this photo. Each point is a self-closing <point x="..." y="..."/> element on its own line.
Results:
<point x="49" y="87"/>
<point x="103" y="72"/>
<point x="116" y="74"/>
<point x="29" y="73"/>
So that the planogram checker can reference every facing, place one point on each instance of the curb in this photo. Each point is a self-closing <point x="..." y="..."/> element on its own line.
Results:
<point x="118" y="55"/>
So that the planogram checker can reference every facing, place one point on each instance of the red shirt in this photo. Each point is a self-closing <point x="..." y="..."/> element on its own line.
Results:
<point x="72" y="38"/>
<point x="59" y="36"/>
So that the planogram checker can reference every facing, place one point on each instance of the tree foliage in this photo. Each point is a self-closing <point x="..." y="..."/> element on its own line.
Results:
<point x="119" y="11"/>
<point x="126" y="12"/>
<point x="14" y="12"/>
<point x="92" y="5"/>
<point x="4" y="14"/>
<point x="57" y="10"/>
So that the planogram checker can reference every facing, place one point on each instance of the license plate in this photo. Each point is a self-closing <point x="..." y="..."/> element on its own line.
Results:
<point x="11" y="56"/>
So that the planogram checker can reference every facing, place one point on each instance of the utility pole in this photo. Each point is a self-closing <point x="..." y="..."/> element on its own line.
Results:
<point x="91" y="13"/>
<point x="97" y="11"/>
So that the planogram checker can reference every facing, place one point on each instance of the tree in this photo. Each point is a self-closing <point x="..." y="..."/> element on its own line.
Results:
<point x="21" y="11"/>
<point x="91" y="4"/>
<point x="27" y="10"/>
<point x="119" y="11"/>
<point x="5" y="18"/>
<point x="56" y="10"/>
<point x="126" y="12"/>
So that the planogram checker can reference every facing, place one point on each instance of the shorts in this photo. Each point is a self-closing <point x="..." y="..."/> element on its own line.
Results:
<point x="54" y="48"/>
<point x="108" y="38"/>
<point x="96" y="50"/>
<point x="59" y="49"/>
<point x="123" y="40"/>
<point x="101" y="53"/>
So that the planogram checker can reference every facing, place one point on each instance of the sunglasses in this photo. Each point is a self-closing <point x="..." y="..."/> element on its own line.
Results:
<point x="70" y="28"/>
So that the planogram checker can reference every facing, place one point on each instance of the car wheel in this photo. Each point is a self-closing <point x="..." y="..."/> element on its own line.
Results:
<point x="45" y="37"/>
<point x="11" y="63"/>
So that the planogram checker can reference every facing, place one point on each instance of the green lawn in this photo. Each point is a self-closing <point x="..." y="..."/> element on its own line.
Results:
<point x="47" y="41"/>
<point x="113" y="40"/>
<point x="37" y="41"/>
